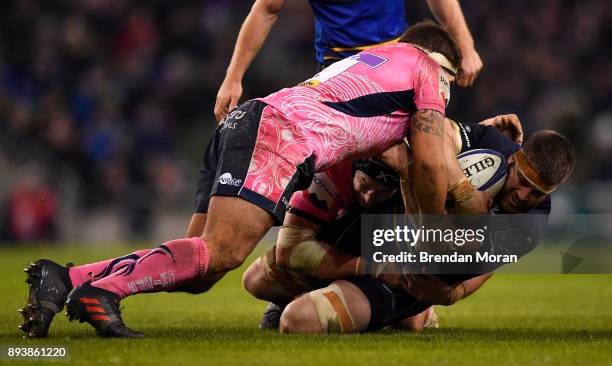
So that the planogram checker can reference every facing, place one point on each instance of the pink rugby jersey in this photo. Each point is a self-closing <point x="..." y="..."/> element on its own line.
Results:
<point x="361" y="105"/>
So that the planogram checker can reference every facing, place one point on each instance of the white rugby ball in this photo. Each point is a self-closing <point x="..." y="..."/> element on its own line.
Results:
<point x="486" y="169"/>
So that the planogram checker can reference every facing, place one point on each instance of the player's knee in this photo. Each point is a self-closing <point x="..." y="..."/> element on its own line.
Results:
<point x="324" y="310"/>
<point x="300" y="317"/>
<point x="253" y="278"/>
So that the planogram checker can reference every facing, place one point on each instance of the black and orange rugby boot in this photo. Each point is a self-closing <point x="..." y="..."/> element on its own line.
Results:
<point x="100" y="308"/>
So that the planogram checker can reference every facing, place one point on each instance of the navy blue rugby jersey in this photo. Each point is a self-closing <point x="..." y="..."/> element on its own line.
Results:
<point x="476" y="136"/>
<point x="346" y="27"/>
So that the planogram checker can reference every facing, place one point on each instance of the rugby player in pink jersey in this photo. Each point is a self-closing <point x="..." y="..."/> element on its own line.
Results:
<point x="261" y="153"/>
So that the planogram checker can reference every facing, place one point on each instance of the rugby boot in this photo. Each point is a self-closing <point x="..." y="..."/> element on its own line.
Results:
<point x="99" y="308"/>
<point x="271" y="316"/>
<point x="49" y="285"/>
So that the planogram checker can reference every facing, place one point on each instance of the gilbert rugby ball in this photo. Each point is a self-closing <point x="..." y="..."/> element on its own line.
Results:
<point x="486" y="169"/>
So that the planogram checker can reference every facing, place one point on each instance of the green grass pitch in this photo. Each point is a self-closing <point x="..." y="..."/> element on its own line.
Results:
<point x="512" y="320"/>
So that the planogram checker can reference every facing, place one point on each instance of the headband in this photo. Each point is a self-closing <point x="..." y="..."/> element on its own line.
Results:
<point x="377" y="171"/>
<point x="531" y="174"/>
<point x="439" y="58"/>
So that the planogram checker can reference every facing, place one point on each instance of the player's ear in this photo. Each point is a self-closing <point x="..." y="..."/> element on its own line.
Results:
<point x="511" y="160"/>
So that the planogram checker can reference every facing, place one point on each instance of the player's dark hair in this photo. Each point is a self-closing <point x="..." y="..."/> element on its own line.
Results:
<point x="552" y="154"/>
<point x="430" y="35"/>
<point x="378" y="171"/>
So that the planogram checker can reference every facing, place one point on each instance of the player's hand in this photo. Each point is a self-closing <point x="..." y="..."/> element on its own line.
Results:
<point x="429" y="289"/>
<point x="509" y="124"/>
<point x="471" y="64"/>
<point x="227" y="98"/>
<point x="479" y="203"/>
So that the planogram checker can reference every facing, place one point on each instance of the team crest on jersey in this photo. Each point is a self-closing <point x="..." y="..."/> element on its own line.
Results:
<point x="444" y="86"/>
<point x="310" y="83"/>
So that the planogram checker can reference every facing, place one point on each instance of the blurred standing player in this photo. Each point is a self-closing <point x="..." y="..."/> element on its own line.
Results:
<point x="342" y="29"/>
<point x="261" y="153"/>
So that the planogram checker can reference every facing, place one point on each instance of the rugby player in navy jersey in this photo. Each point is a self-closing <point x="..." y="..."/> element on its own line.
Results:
<point x="342" y="28"/>
<point x="365" y="303"/>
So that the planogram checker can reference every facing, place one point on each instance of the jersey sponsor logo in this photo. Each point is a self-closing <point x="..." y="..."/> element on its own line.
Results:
<point x="225" y="124"/>
<point x="230" y="120"/>
<point x="226" y="178"/>
<point x="236" y="114"/>
<point x="310" y="83"/>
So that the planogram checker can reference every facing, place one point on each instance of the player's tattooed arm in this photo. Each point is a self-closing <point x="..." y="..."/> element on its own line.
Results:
<point x="432" y="138"/>
<point x="427" y="121"/>
<point x="430" y="178"/>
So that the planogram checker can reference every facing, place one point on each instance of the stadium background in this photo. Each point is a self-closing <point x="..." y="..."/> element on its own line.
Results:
<point x="106" y="105"/>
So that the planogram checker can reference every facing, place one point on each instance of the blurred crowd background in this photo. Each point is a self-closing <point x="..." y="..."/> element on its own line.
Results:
<point x="107" y="105"/>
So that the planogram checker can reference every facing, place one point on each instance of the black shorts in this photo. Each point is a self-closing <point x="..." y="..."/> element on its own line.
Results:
<point x="389" y="306"/>
<point x="228" y="165"/>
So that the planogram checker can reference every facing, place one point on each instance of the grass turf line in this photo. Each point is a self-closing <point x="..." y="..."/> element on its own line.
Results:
<point x="512" y="320"/>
